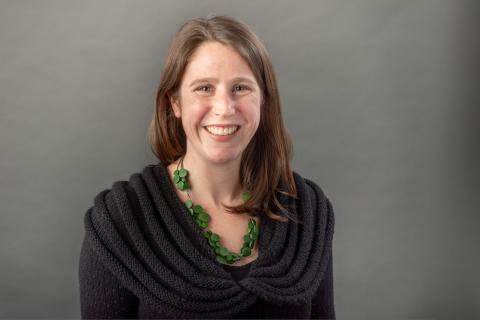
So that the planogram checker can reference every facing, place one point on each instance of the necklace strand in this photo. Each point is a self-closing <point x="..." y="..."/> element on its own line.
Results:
<point x="202" y="218"/>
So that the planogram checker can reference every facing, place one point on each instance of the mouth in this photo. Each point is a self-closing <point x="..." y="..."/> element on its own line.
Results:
<point x="222" y="131"/>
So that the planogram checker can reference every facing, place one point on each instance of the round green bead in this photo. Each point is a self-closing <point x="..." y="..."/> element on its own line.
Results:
<point x="224" y="251"/>
<point x="183" y="173"/>
<point x="197" y="208"/>
<point x="176" y="179"/>
<point x="221" y="259"/>
<point x="245" y="251"/>
<point x="211" y="243"/>
<point x="214" y="237"/>
<point x="189" y="203"/>
<point x="204" y="216"/>
<point x="181" y="185"/>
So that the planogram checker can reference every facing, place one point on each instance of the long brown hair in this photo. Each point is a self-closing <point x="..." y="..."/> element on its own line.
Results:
<point x="265" y="164"/>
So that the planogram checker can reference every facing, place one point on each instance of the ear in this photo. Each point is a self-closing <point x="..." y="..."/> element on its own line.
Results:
<point x="175" y="106"/>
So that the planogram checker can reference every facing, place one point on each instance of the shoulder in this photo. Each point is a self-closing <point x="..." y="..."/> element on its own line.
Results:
<point x="310" y="192"/>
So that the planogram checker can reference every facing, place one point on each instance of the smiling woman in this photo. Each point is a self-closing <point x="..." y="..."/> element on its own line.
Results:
<point x="221" y="227"/>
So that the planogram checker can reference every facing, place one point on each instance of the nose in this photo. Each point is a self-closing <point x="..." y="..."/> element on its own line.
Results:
<point x="223" y="105"/>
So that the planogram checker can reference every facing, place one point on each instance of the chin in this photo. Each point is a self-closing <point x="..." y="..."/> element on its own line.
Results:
<point x="223" y="157"/>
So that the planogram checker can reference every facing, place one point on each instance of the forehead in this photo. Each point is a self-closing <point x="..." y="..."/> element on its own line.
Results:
<point x="216" y="59"/>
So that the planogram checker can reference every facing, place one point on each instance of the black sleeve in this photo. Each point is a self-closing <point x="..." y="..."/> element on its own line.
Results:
<point x="102" y="296"/>
<point x="322" y="302"/>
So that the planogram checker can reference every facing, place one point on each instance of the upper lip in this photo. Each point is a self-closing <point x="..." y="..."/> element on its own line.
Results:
<point x="222" y="125"/>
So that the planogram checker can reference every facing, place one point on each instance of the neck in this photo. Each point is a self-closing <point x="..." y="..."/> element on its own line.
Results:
<point x="213" y="183"/>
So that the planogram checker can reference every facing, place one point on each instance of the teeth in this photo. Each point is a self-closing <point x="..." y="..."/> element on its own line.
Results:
<point x="221" y="131"/>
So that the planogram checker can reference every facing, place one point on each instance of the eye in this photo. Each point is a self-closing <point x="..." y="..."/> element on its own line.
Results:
<point x="241" y="87"/>
<point x="203" y="88"/>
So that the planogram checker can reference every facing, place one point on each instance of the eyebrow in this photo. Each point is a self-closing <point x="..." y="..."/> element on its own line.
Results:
<point x="203" y="80"/>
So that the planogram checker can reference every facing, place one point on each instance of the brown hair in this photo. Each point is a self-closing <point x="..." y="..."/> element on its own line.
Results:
<point x="265" y="164"/>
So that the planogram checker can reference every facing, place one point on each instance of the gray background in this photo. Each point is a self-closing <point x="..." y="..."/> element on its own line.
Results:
<point x="380" y="98"/>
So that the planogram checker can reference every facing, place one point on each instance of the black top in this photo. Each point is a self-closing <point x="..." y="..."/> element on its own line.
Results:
<point x="238" y="272"/>
<point x="143" y="256"/>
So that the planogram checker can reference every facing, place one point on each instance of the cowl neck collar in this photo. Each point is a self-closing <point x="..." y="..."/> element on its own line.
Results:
<point x="145" y="236"/>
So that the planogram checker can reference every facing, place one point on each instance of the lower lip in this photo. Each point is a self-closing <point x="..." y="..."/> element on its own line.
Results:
<point x="222" y="138"/>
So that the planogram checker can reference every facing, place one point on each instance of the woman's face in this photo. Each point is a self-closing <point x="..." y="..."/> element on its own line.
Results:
<point x="219" y="103"/>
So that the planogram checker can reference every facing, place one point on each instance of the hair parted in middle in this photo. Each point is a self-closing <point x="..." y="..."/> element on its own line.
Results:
<point x="265" y="163"/>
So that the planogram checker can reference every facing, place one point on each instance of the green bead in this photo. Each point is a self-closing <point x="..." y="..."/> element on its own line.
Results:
<point x="206" y="235"/>
<point x="203" y="224"/>
<point x="176" y="179"/>
<point x="203" y="216"/>
<point x="181" y="185"/>
<point x="254" y="235"/>
<point x="176" y="172"/>
<point x="246" y="237"/>
<point x="221" y="259"/>
<point x="246" y="196"/>
<point x="245" y="251"/>
<point x="191" y="211"/>
<point x="189" y="203"/>
<point x="251" y="224"/>
<point x="211" y="243"/>
<point x="197" y="208"/>
<point x="230" y="258"/>
<point x="224" y="251"/>
<point x="250" y="244"/>
<point x="217" y="244"/>
<point x="183" y="173"/>
<point x="214" y="237"/>
<point x="217" y="250"/>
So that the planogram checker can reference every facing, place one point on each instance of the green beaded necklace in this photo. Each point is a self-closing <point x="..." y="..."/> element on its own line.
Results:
<point x="202" y="218"/>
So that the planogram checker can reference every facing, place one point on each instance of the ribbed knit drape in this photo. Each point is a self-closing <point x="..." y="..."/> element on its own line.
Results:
<point x="142" y="233"/>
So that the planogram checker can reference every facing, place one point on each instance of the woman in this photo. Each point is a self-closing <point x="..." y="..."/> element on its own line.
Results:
<point x="221" y="227"/>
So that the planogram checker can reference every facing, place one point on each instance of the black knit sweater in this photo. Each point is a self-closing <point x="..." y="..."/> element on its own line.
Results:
<point x="143" y="256"/>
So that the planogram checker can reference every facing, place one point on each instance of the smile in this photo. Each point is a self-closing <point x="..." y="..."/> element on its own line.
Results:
<point x="222" y="131"/>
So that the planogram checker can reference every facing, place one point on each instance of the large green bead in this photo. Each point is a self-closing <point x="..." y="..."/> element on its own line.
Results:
<point x="197" y="208"/>
<point x="211" y="243"/>
<point x="221" y="259"/>
<point x="181" y="185"/>
<point x="224" y="251"/>
<point x="176" y="179"/>
<point x="203" y="216"/>
<point x="183" y="173"/>
<point x="214" y="237"/>
<point x="245" y="251"/>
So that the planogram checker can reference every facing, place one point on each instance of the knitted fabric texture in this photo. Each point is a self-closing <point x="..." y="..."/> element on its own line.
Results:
<point x="143" y="234"/>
